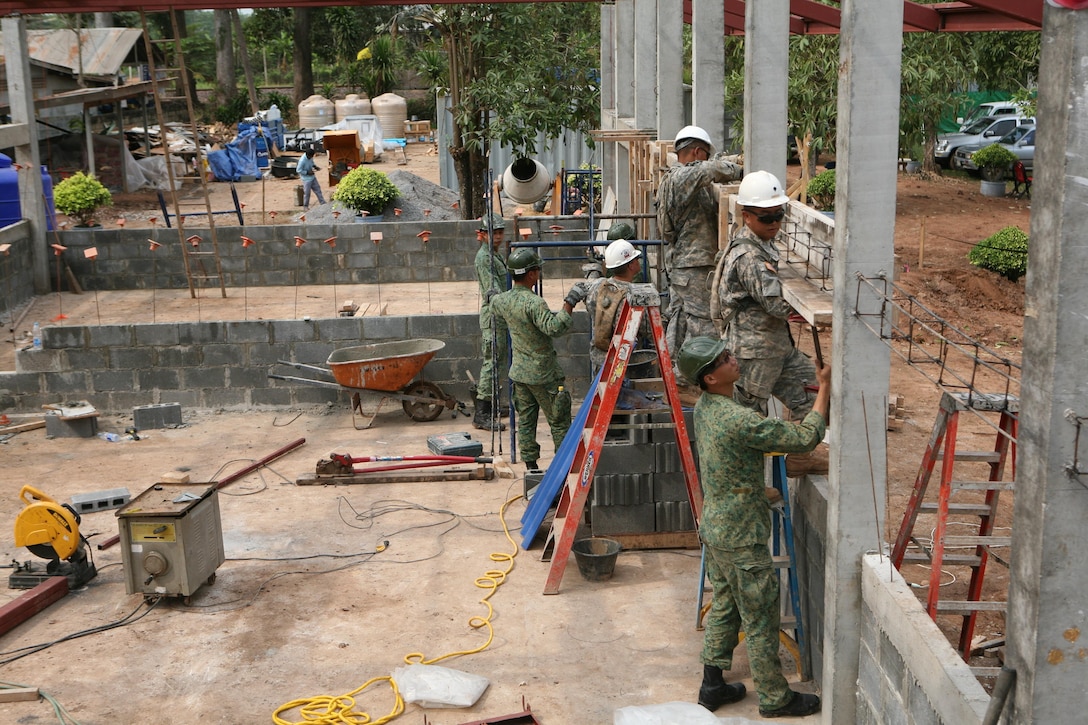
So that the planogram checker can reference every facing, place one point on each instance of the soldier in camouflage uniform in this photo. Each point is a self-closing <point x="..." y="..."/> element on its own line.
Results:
<point x="491" y="278"/>
<point x="736" y="523"/>
<point x="538" y="379"/>
<point x="687" y="218"/>
<point x="751" y="308"/>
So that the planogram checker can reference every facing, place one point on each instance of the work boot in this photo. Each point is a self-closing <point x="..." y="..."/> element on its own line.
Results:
<point x="800" y="705"/>
<point x="715" y="691"/>
<point x="532" y="467"/>
<point x="814" y="462"/>
<point x="482" y="417"/>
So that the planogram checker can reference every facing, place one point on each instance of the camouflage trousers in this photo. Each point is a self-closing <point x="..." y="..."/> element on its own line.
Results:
<point x="746" y="599"/>
<point x="495" y="359"/>
<point x="783" y="377"/>
<point x="528" y="402"/>
<point x="689" y="307"/>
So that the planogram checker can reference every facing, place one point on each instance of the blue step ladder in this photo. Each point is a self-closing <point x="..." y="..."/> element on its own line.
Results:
<point x="781" y="536"/>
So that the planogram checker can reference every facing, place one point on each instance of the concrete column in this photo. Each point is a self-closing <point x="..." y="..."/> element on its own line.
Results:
<point x="21" y="99"/>
<point x="766" y="75"/>
<point x="670" y="69"/>
<point x="625" y="58"/>
<point x="868" y="141"/>
<point x="1047" y="619"/>
<point x="708" y="68"/>
<point x="608" y="57"/>
<point x="646" y="64"/>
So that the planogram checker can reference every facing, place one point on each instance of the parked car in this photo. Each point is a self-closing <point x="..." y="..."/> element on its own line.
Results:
<point x="990" y="108"/>
<point x="1021" y="141"/>
<point x="983" y="131"/>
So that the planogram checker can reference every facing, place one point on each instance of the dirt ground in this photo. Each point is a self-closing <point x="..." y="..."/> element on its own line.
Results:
<point x="275" y="627"/>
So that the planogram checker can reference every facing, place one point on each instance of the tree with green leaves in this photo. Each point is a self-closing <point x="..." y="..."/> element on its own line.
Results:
<point x="935" y="69"/>
<point x="511" y="71"/>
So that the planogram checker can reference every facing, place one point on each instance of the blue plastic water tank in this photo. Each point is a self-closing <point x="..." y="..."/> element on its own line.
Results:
<point x="10" y="209"/>
<point x="47" y="192"/>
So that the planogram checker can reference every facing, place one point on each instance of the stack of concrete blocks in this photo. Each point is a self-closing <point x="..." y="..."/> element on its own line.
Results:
<point x="639" y="483"/>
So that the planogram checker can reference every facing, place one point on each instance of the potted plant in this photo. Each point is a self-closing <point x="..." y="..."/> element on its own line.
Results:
<point x="993" y="163"/>
<point x="366" y="190"/>
<point x="79" y="196"/>
<point x="821" y="190"/>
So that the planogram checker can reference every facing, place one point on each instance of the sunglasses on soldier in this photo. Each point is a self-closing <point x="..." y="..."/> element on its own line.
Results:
<point x="772" y="218"/>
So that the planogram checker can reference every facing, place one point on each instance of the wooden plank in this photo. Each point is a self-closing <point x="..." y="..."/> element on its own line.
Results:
<point x="19" y="694"/>
<point x="33" y="601"/>
<point x="21" y="427"/>
<point x="482" y="473"/>
<point x="658" y="540"/>
<point x="809" y="300"/>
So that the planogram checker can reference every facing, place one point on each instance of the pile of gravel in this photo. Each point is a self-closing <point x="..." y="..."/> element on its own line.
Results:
<point x="416" y="195"/>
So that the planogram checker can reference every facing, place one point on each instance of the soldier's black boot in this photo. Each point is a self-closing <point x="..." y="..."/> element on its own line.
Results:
<point x="715" y="691"/>
<point x="482" y="417"/>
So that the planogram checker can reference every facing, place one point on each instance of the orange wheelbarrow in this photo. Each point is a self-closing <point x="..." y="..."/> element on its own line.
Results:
<point x="386" y="369"/>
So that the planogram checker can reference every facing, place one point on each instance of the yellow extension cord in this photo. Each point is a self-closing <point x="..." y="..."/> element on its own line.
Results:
<point x="340" y="709"/>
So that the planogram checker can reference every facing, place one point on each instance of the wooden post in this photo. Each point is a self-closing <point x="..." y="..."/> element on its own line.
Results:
<point x="922" y="245"/>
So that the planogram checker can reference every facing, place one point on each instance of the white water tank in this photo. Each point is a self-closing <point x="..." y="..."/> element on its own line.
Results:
<point x="315" y="112"/>
<point x="392" y="112"/>
<point x="352" y="105"/>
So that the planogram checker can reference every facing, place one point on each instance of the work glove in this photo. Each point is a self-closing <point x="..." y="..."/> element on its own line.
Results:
<point x="577" y="293"/>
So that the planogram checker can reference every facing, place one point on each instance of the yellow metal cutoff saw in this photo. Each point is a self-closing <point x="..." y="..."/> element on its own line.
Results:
<point x="50" y="530"/>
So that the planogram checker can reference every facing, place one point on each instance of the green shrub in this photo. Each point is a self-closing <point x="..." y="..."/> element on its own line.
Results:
<point x="1005" y="253"/>
<point x="993" y="161"/>
<point x="821" y="189"/>
<point x="79" y="196"/>
<point x="366" y="190"/>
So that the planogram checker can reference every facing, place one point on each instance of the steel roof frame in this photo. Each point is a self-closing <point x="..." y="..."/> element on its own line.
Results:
<point x="806" y="16"/>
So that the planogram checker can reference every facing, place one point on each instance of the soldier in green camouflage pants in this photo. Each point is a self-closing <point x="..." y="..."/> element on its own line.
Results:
<point x="535" y="369"/>
<point x="736" y="524"/>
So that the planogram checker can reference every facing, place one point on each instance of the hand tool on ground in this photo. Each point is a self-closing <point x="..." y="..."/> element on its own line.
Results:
<point x="50" y="530"/>
<point x="343" y="464"/>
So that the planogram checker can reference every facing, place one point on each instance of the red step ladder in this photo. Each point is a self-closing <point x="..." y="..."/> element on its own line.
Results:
<point x="643" y="302"/>
<point x="942" y="446"/>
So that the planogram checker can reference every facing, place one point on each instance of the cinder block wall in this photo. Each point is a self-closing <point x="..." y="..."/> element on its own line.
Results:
<point x="808" y="509"/>
<point x="125" y="260"/>
<point x="225" y="365"/>
<point x="16" y="281"/>
<point x="909" y="673"/>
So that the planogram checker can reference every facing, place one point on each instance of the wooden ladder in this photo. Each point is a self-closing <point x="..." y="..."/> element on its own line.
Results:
<point x="942" y="446"/>
<point x="192" y="254"/>
<point x="643" y="301"/>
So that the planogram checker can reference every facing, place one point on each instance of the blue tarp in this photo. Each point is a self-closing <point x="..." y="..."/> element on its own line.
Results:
<point x="238" y="159"/>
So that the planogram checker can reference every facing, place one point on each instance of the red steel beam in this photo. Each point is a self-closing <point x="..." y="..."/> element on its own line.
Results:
<point x="33" y="601"/>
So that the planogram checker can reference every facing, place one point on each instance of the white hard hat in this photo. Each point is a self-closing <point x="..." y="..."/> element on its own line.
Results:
<point x="761" y="189"/>
<point x="619" y="253"/>
<point x="689" y="134"/>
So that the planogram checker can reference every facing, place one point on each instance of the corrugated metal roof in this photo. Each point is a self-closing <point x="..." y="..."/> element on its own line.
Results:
<point x="103" y="49"/>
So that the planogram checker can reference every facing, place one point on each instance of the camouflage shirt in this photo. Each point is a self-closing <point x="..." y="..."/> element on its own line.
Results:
<point x="750" y="295"/>
<point x="687" y="210"/>
<point x="490" y="275"/>
<point x="731" y="441"/>
<point x="532" y="326"/>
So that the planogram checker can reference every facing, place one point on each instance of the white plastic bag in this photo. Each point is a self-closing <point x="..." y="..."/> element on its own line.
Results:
<point x="673" y="713"/>
<point x="434" y="686"/>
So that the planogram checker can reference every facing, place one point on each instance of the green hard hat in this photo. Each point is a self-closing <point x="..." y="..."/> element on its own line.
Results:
<point x="522" y="260"/>
<point x="696" y="354"/>
<point x="496" y="222"/>
<point x="621" y="230"/>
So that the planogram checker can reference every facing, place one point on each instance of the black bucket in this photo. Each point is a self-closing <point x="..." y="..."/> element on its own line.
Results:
<point x="596" y="557"/>
<point x="643" y="364"/>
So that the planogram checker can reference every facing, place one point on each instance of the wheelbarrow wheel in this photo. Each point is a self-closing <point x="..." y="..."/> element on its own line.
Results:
<point x="420" y="411"/>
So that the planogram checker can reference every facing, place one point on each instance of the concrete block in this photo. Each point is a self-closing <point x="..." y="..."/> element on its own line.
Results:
<point x="157" y="334"/>
<point x="181" y="356"/>
<point x="385" y="328"/>
<point x="220" y="354"/>
<point x="270" y="397"/>
<point x="532" y="480"/>
<point x="293" y="331"/>
<point x="198" y="378"/>
<point x="674" y="516"/>
<point x="64" y="337"/>
<point x="671" y="486"/>
<point x="869" y="677"/>
<point x="625" y="458"/>
<point x="131" y="358"/>
<point x="158" y="379"/>
<point x="57" y="427"/>
<point x="39" y="361"/>
<point x="667" y="458"/>
<point x="891" y="660"/>
<point x="239" y="332"/>
<point x="920" y="709"/>
<point x="435" y="326"/>
<point x="110" y="336"/>
<point x="622" y="489"/>
<point x="161" y="415"/>
<point x="111" y="498"/>
<point x="70" y="382"/>
<point x="107" y="380"/>
<point x="86" y="359"/>
<point x="638" y="519"/>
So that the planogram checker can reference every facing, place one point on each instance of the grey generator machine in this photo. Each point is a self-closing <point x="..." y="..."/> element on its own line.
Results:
<point x="171" y="539"/>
